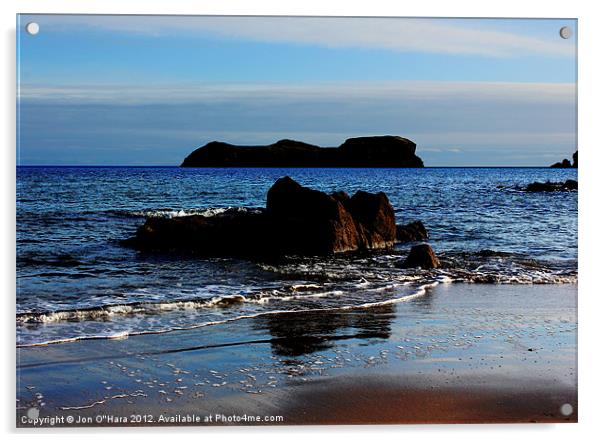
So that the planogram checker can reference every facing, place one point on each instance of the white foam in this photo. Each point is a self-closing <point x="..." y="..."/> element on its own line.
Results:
<point x="169" y="213"/>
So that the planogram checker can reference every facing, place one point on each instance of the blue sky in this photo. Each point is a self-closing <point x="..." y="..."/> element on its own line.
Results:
<point x="123" y="90"/>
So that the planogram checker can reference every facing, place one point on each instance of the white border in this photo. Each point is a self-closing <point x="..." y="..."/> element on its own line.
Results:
<point x="590" y="32"/>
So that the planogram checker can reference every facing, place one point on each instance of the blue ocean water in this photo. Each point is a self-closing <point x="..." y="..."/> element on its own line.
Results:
<point x="75" y="280"/>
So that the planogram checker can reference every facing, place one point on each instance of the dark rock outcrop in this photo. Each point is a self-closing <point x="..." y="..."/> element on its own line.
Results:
<point x="378" y="151"/>
<point x="309" y="222"/>
<point x="566" y="164"/>
<point x="552" y="187"/>
<point x="233" y="232"/>
<point x="421" y="256"/>
<point x="414" y="231"/>
<point x="297" y="220"/>
<point x="374" y="219"/>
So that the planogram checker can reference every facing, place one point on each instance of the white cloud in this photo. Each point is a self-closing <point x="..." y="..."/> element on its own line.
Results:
<point x="446" y="36"/>
<point x="387" y="91"/>
<point x="438" y="116"/>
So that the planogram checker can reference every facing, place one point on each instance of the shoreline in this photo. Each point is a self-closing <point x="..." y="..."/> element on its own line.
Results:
<point x="462" y="353"/>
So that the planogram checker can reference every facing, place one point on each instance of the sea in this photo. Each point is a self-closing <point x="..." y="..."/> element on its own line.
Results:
<point x="75" y="280"/>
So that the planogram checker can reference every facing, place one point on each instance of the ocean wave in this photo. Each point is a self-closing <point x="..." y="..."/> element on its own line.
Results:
<point x="316" y="284"/>
<point x="102" y="312"/>
<point x="107" y="311"/>
<point x="420" y="290"/>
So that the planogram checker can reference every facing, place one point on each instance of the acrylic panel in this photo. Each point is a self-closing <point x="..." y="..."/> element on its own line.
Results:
<point x="295" y="220"/>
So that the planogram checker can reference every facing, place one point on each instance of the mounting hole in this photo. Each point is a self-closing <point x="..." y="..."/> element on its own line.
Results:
<point x="566" y="32"/>
<point x="32" y="28"/>
<point x="566" y="409"/>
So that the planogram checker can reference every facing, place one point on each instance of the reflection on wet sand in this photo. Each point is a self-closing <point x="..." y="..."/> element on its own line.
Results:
<point x="298" y="334"/>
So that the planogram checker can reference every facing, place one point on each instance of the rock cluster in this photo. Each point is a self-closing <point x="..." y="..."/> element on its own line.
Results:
<point x="297" y="221"/>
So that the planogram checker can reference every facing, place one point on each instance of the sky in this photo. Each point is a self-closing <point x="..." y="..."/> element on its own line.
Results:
<point x="147" y="90"/>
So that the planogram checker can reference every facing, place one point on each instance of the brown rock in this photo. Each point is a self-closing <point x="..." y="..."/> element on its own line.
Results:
<point x="422" y="256"/>
<point x="308" y="221"/>
<point x="375" y="218"/>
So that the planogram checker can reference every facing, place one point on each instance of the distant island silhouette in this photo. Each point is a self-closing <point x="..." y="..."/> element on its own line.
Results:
<point x="566" y="164"/>
<point x="377" y="151"/>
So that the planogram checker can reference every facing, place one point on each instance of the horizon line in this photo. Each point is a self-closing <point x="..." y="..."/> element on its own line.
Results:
<point x="180" y="167"/>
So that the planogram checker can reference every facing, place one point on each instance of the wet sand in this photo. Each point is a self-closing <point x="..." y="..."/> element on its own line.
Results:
<point x="397" y="399"/>
<point x="462" y="353"/>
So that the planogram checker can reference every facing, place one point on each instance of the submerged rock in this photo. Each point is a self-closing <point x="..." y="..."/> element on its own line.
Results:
<point x="297" y="220"/>
<point x="414" y="231"/>
<point x="421" y="256"/>
<point x="551" y="186"/>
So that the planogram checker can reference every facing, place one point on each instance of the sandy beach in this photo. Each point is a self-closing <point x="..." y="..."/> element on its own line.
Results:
<point x="463" y="353"/>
